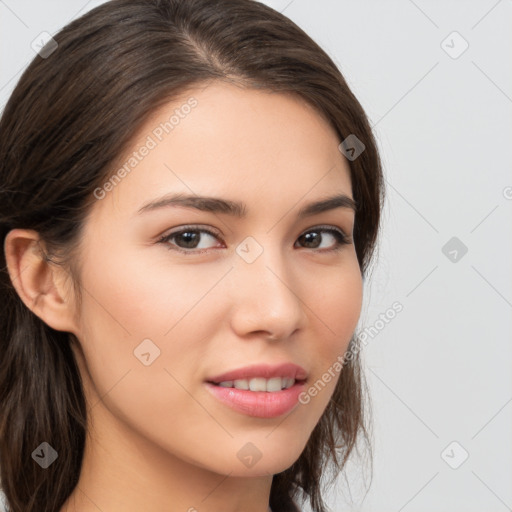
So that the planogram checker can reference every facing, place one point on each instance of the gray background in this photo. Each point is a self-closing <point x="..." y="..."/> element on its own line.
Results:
<point x="440" y="372"/>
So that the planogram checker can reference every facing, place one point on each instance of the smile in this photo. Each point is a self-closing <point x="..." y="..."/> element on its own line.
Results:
<point x="260" y="384"/>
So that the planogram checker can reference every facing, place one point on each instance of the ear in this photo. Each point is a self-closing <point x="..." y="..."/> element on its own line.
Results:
<point x="43" y="286"/>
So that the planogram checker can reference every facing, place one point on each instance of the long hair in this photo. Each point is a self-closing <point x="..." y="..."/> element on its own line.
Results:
<point x="72" y="114"/>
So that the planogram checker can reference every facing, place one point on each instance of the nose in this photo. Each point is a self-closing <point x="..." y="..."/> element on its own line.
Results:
<point x="267" y="297"/>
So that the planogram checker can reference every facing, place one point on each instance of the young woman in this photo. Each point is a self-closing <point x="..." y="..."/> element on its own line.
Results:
<point x="190" y="200"/>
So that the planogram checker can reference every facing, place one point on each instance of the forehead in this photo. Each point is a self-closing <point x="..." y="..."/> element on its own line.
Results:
<point x="221" y="139"/>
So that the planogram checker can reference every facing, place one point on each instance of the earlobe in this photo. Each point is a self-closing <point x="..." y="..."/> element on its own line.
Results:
<point x="37" y="281"/>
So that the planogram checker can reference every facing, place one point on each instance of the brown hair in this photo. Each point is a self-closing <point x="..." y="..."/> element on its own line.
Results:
<point x="70" y="117"/>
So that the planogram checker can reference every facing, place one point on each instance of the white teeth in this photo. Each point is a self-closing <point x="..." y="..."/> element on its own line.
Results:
<point x="260" y="384"/>
<point x="241" y="384"/>
<point x="273" y="384"/>
<point x="289" y="382"/>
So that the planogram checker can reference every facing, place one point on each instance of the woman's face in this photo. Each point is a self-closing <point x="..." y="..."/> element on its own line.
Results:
<point x="163" y="315"/>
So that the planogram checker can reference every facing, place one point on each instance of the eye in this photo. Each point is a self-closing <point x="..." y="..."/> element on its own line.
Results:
<point x="314" y="238"/>
<point x="188" y="238"/>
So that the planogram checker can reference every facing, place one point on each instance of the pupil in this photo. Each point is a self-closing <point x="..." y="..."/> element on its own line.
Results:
<point x="310" y="236"/>
<point x="190" y="242"/>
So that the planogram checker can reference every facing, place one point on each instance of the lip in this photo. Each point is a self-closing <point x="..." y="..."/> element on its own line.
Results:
<point x="266" y="371"/>
<point x="258" y="404"/>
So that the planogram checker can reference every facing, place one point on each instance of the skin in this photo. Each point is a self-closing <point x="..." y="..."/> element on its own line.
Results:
<point x="157" y="439"/>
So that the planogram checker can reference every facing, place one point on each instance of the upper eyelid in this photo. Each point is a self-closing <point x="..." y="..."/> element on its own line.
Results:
<point x="215" y="232"/>
<point x="181" y="229"/>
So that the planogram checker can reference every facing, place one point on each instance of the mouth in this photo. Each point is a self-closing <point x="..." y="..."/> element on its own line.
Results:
<point x="261" y="391"/>
<point x="258" y="404"/>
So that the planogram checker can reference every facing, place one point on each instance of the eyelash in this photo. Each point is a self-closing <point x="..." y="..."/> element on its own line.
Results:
<point x="341" y="239"/>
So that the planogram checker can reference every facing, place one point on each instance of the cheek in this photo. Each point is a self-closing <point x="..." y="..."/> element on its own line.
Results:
<point x="141" y="299"/>
<point x="338" y="306"/>
<point x="173" y="309"/>
<point x="135" y="313"/>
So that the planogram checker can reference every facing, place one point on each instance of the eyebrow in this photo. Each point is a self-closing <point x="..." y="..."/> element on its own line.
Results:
<point x="238" y="209"/>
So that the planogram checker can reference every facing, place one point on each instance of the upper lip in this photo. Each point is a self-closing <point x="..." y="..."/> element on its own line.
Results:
<point x="266" y="371"/>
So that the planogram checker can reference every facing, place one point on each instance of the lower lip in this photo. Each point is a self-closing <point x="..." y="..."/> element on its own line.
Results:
<point x="259" y="404"/>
